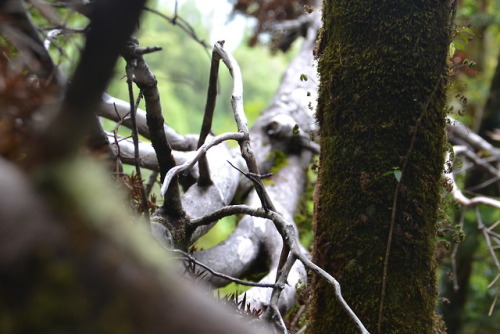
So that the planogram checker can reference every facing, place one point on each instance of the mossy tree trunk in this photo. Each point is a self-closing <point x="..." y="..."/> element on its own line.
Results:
<point x="383" y="79"/>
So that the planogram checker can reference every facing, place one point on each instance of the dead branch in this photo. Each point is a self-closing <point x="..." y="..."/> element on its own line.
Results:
<point x="146" y="81"/>
<point x="117" y="110"/>
<point x="206" y="125"/>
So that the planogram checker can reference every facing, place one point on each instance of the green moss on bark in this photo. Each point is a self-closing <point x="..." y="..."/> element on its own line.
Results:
<point x="382" y="65"/>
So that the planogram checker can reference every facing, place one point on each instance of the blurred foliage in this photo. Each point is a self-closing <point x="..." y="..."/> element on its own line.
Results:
<point x="473" y="63"/>
<point x="217" y="234"/>
<point x="473" y="80"/>
<point x="67" y="28"/>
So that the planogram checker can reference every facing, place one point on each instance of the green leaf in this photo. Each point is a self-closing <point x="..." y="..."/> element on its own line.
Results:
<point x="459" y="45"/>
<point x="452" y="49"/>
<point x="398" y="174"/>
<point x="469" y="31"/>
<point x="303" y="77"/>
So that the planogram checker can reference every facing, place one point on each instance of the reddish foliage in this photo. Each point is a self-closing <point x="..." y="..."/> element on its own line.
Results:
<point x="21" y="95"/>
<point x="133" y="185"/>
<point x="269" y="12"/>
<point x="461" y="64"/>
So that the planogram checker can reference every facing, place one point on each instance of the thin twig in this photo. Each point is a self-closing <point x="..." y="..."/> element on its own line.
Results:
<point x="181" y="23"/>
<point x="287" y="231"/>
<point x="250" y="176"/>
<point x="135" y="137"/>
<point x="338" y="292"/>
<point x="297" y="316"/>
<point x="221" y="275"/>
<point x="273" y="312"/>
<point x="147" y="82"/>
<point x="302" y="330"/>
<point x="486" y="234"/>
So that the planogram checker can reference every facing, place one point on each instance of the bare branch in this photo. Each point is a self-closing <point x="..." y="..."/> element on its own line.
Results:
<point x="487" y="236"/>
<point x="199" y="153"/>
<point x="287" y="230"/>
<point x="221" y="275"/>
<point x="146" y="81"/>
<point x="181" y="23"/>
<point x="242" y="124"/>
<point x="135" y="137"/>
<point x="208" y="116"/>
<point x="338" y="292"/>
<point x="460" y="134"/>
<point x="470" y="202"/>
<point x="117" y="110"/>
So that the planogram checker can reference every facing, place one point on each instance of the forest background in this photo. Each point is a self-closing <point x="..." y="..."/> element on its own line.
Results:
<point x="182" y="70"/>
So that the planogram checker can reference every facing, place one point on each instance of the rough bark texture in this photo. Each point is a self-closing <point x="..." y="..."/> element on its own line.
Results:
<point x="382" y="67"/>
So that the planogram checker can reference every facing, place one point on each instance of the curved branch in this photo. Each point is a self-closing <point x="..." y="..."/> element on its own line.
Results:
<point x="470" y="202"/>
<point x="199" y="153"/>
<point x="242" y="123"/>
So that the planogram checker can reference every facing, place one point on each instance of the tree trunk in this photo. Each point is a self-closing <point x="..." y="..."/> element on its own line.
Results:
<point x="380" y="109"/>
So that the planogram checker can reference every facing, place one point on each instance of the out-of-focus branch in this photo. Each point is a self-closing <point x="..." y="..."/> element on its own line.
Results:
<point x="117" y="110"/>
<point x="182" y="24"/>
<point x="460" y="134"/>
<point x="116" y="264"/>
<point x="112" y="24"/>
<point x="17" y="27"/>
<point x="135" y="137"/>
<point x="458" y="195"/>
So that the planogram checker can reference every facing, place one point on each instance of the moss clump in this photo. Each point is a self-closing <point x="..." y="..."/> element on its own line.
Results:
<point x="279" y="160"/>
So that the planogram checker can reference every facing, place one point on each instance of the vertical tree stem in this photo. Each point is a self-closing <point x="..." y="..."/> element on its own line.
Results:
<point x="204" y="179"/>
<point x="135" y="138"/>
